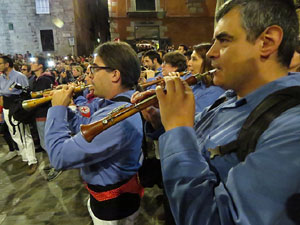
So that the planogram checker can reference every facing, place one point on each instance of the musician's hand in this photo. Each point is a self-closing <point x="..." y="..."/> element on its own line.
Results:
<point x="59" y="86"/>
<point x="63" y="96"/>
<point x="149" y="73"/>
<point x="177" y="105"/>
<point x="48" y="93"/>
<point x="150" y="114"/>
<point x="139" y="96"/>
<point x="142" y="79"/>
<point x="174" y="74"/>
<point x="63" y="74"/>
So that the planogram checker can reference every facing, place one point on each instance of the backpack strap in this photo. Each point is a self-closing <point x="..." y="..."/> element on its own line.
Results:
<point x="258" y="121"/>
<point x="121" y="99"/>
<point x="144" y="142"/>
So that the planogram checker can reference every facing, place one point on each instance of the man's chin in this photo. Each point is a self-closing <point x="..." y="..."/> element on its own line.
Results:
<point x="217" y="81"/>
<point x="96" y="93"/>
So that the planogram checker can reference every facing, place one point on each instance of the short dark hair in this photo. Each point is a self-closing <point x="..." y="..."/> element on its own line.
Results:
<point x="163" y="52"/>
<point x="28" y="67"/>
<point x="42" y="61"/>
<point x="120" y="56"/>
<point x="298" y="47"/>
<point x="188" y="54"/>
<point x="17" y="66"/>
<point x="201" y="50"/>
<point x="184" y="47"/>
<point x="153" y="55"/>
<point x="7" y="59"/>
<point x="257" y="15"/>
<point x="176" y="59"/>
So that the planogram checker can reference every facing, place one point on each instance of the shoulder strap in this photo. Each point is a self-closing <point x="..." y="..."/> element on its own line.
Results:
<point x="121" y="99"/>
<point x="144" y="143"/>
<point x="258" y="121"/>
<point x="217" y="103"/>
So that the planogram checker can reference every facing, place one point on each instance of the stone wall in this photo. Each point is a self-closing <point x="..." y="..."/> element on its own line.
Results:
<point x="25" y="35"/>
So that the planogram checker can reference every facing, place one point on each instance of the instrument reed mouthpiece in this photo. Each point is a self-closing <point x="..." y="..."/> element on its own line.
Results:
<point x="212" y="71"/>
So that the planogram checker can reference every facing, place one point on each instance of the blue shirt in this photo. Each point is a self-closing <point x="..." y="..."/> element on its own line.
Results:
<point x="91" y="105"/>
<point x="224" y="190"/>
<point x="13" y="77"/>
<point x="111" y="157"/>
<point x="204" y="96"/>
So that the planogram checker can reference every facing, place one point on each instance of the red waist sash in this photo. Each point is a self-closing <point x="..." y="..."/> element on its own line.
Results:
<point x="132" y="186"/>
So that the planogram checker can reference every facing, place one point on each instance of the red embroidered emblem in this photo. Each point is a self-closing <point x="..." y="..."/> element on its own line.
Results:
<point x="85" y="111"/>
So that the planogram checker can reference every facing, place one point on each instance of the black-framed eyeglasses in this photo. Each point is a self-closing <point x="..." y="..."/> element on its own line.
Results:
<point x="94" y="69"/>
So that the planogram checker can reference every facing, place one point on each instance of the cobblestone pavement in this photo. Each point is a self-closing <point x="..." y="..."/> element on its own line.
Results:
<point x="31" y="200"/>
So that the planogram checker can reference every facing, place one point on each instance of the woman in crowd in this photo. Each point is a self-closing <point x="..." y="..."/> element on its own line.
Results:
<point x="205" y="95"/>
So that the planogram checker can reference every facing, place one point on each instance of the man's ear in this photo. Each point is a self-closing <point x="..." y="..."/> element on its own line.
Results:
<point x="270" y="40"/>
<point x="116" y="76"/>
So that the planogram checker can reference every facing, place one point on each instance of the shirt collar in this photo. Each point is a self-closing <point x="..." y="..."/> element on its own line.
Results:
<point x="255" y="97"/>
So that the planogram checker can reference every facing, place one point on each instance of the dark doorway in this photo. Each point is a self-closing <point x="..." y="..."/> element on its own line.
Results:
<point x="145" y="5"/>
<point x="47" y="40"/>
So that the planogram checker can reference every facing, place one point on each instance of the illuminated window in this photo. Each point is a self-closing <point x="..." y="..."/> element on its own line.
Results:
<point x="42" y="6"/>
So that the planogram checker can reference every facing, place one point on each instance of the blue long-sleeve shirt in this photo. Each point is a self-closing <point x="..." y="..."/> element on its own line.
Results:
<point x="14" y="77"/>
<point x="204" y="96"/>
<point x="224" y="190"/>
<point x="111" y="157"/>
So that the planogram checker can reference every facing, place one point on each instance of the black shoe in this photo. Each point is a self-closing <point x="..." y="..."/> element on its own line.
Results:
<point x="53" y="174"/>
<point x="47" y="169"/>
<point x="40" y="149"/>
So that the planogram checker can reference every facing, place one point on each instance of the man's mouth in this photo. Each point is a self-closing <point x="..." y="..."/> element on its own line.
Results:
<point x="217" y="67"/>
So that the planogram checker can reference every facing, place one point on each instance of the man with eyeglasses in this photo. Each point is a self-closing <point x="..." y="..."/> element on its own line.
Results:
<point x="19" y="132"/>
<point x="109" y="163"/>
<point x="26" y="70"/>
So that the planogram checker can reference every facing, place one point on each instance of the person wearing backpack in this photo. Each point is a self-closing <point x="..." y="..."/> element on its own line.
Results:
<point x="208" y="182"/>
<point x="20" y="132"/>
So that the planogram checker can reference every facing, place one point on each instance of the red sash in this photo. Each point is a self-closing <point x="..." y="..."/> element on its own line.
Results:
<point x="132" y="186"/>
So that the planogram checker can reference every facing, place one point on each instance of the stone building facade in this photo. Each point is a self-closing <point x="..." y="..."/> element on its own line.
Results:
<point x="59" y="27"/>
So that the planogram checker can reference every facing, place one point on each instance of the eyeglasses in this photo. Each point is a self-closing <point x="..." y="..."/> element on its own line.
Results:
<point x="23" y="69"/>
<point x="95" y="69"/>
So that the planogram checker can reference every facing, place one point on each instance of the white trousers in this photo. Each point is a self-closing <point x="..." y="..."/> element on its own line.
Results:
<point x="22" y="136"/>
<point x="126" y="221"/>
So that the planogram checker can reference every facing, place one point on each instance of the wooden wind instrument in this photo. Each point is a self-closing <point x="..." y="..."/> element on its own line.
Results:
<point x="157" y="81"/>
<point x="32" y="103"/>
<point x="150" y="83"/>
<point x="90" y="131"/>
<point x="36" y="94"/>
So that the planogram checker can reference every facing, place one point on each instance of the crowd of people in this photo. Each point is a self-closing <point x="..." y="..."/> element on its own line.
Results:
<point x="227" y="147"/>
